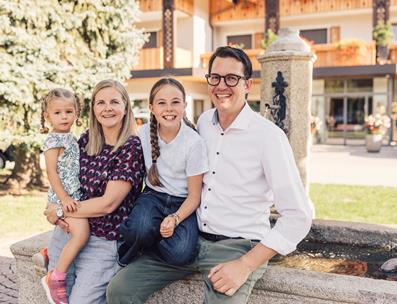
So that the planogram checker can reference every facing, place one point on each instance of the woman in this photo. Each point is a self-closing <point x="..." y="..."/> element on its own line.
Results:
<point x="111" y="175"/>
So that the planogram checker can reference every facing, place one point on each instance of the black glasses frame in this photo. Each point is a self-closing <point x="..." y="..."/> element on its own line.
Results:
<point x="207" y="76"/>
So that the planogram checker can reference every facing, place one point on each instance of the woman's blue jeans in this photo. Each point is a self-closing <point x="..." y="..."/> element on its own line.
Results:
<point x="141" y="230"/>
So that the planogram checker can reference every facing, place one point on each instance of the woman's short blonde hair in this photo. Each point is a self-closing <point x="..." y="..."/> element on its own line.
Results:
<point x="96" y="138"/>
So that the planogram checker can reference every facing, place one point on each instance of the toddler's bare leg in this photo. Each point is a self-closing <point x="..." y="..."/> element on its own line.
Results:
<point x="80" y="231"/>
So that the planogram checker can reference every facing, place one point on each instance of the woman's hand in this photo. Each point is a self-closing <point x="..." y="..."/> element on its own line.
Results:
<point x="167" y="226"/>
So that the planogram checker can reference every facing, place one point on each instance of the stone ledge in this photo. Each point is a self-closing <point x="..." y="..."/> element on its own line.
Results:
<point x="278" y="284"/>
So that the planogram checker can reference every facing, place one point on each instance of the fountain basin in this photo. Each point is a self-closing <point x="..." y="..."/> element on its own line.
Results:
<point x="279" y="285"/>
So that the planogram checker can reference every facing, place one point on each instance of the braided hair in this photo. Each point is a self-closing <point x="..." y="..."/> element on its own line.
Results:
<point x="63" y="94"/>
<point x="153" y="174"/>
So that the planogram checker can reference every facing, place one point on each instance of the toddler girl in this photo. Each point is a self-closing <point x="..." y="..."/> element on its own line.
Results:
<point x="61" y="109"/>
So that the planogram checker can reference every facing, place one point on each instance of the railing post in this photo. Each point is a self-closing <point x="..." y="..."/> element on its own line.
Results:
<point x="168" y="33"/>
<point x="286" y="86"/>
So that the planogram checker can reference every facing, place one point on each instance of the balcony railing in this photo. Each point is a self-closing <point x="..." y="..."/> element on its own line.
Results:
<point x="252" y="54"/>
<point x="224" y="10"/>
<point x="331" y="55"/>
<point x="328" y="55"/>
<point x="152" y="59"/>
<point x="156" y="5"/>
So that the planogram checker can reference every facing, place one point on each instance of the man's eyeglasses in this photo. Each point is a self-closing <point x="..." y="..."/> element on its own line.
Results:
<point x="231" y="80"/>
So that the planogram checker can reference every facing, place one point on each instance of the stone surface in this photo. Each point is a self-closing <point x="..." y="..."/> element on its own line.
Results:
<point x="278" y="284"/>
<point x="8" y="281"/>
<point x="360" y="234"/>
<point x="292" y="56"/>
<point x="29" y="287"/>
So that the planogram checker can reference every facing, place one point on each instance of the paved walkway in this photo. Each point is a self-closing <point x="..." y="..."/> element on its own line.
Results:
<point x="353" y="165"/>
<point x="328" y="164"/>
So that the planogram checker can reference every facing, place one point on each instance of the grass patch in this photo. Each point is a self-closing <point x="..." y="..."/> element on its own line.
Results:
<point x="376" y="205"/>
<point x="23" y="215"/>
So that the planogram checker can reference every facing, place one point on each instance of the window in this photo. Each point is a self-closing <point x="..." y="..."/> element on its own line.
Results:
<point x="244" y="41"/>
<point x="317" y="36"/>
<point x="360" y="85"/>
<point x="198" y="108"/>
<point x="395" y="32"/>
<point x="152" y="42"/>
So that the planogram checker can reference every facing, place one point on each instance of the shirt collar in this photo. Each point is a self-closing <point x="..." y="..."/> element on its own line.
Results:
<point x="240" y="122"/>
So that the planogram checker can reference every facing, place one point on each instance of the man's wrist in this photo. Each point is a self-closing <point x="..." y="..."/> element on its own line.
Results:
<point x="246" y="262"/>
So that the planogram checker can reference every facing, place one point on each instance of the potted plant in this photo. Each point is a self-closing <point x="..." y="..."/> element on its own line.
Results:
<point x="269" y="39"/>
<point x="383" y="36"/>
<point x="376" y="126"/>
<point x="350" y="50"/>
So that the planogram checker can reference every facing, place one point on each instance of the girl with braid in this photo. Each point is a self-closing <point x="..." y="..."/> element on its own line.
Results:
<point x="61" y="109"/>
<point x="163" y="219"/>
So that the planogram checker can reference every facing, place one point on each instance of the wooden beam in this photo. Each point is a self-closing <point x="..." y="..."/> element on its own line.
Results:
<point x="168" y="33"/>
<point x="272" y="15"/>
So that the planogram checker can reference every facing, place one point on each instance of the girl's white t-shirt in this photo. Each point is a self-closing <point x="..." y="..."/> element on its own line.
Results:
<point x="184" y="156"/>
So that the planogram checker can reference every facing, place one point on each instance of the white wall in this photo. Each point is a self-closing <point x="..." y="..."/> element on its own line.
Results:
<point x="202" y="32"/>
<point x="221" y="32"/>
<point x="353" y="24"/>
<point x="184" y="30"/>
<point x="150" y="26"/>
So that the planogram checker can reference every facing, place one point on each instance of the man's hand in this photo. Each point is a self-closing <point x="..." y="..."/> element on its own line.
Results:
<point x="228" y="277"/>
<point x="52" y="217"/>
<point x="167" y="226"/>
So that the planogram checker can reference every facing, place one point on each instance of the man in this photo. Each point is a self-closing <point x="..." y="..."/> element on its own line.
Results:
<point x="251" y="167"/>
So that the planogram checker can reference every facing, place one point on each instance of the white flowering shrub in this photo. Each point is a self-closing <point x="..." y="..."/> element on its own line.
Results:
<point x="71" y="44"/>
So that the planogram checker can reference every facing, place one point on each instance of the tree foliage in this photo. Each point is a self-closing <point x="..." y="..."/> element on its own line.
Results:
<point x="60" y="43"/>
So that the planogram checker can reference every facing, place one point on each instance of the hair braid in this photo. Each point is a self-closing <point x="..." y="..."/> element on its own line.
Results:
<point x="188" y="122"/>
<point x="153" y="175"/>
<point x="78" y="110"/>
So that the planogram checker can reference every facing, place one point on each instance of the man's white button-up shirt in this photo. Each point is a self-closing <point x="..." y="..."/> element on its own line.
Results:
<point x="251" y="167"/>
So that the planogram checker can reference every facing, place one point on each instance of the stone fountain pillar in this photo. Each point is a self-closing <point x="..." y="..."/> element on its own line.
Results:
<point x="291" y="56"/>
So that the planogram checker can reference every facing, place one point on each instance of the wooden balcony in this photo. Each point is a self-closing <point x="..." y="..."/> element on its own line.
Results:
<point x="152" y="59"/>
<point x="393" y="53"/>
<point x="332" y="55"/>
<point x="185" y="6"/>
<point x="302" y="7"/>
<point x="224" y="10"/>
<point x="328" y="55"/>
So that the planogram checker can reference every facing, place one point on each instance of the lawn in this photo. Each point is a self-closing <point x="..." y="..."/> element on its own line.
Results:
<point x="23" y="215"/>
<point x="377" y="205"/>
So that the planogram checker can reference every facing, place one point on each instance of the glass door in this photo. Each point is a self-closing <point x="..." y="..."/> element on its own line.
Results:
<point x="334" y="120"/>
<point x="356" y="111"/>
<point x="345" y="119"/>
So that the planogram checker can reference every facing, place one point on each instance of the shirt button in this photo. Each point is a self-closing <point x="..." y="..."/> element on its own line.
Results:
<point x="209" y="189"/>
<point x="222" y="133"/>
<point x="217" y="153"/>
<point x="213" y="172"/>
<point x="205" y="207"/>
<point x="204" y="224"/>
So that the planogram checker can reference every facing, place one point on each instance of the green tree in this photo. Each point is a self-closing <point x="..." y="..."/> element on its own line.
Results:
<point x="47" y="44"/>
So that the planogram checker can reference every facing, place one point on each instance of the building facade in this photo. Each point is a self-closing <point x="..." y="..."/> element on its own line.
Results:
<point x="352" y="76"/>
